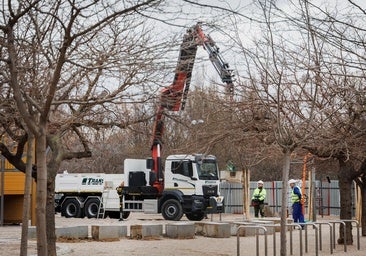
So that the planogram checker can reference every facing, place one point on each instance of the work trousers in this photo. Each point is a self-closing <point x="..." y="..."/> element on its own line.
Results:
<point x="259" y="209"/>
<point x="297" y="214"/>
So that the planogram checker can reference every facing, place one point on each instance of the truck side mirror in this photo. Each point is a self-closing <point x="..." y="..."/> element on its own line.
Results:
<point x="152" y="178"/>
<point x="149" y="163"/>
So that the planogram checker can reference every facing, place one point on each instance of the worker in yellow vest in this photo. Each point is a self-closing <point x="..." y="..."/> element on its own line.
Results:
<point x="258" y="197"/>
<point x="297" y="213"/>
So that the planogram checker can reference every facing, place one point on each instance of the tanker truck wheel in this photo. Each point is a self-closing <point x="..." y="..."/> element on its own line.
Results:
<point x="172" y="210"/>
<point x="71" y="209"/>
<point x="91" y="208"/>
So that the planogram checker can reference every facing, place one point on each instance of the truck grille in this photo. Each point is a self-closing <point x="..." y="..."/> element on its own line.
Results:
<point x="209" y="190"/>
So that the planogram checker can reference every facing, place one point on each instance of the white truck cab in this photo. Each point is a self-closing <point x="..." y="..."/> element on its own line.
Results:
<point x="191" y="187"/>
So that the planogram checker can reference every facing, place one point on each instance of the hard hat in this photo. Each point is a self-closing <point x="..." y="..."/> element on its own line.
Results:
<point x="292" y="181"/>
<point x="260" y="182"/>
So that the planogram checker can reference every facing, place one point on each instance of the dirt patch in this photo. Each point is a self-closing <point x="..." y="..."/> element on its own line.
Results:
<point x="72" y="240"/>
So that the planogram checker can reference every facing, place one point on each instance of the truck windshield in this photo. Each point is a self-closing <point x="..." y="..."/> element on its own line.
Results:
<point x="207" y="171"/>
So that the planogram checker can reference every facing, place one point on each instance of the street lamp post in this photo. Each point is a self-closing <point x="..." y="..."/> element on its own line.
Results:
<point x="194" y="123"/>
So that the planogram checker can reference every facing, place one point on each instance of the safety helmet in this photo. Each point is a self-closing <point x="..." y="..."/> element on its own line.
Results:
<point x="260" y="182"/>
<point x="292" y="181"/>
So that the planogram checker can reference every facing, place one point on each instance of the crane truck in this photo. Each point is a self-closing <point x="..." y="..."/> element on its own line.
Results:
<point x="189" y="184"/>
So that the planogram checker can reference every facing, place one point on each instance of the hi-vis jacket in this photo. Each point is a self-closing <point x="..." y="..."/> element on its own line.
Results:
<point x="259" y="194"/>
<point x="295" y="195"/>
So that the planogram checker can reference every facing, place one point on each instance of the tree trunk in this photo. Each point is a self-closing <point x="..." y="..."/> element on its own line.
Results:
<point x="363" y="205"/>
<point x="27" y="198"/>
<point x="246" y="194"/>
<point x="346" y="170"/>
<point x="50" y="217"/>
<point x="41" y="192"/>
<point x="55" y="157"/>
<point x="285" y="174"/>
<point x="362" y="185"/>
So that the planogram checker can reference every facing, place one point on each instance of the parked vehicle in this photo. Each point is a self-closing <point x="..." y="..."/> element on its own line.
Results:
<point x="89" y="195"/>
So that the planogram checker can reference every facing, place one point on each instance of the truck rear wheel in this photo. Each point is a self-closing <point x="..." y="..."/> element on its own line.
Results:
<point x="172" y="210"/>
<point x="71" y="209"/>
<point x="195" y="216"/>
<point x="91" y="208"/>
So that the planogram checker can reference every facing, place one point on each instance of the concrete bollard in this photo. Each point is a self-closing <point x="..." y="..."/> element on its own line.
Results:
<point x="213" y="229"/>
<point x="269" y="229"/>
<point x="100" y="232"/>
<point x="78" y="232"/>
<point x="147" y="231"/>
<point x="278" y="221"/>
<point x="180" y="230"/>
<point x="242" y="231"/>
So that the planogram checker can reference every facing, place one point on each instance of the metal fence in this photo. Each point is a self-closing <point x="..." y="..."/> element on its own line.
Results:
<point x="327" y="198"/>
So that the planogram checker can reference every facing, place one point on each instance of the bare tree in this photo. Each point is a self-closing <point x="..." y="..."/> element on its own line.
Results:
<point x="285" y="100"/>
<point x="340" y="68"/>
<point x="64" y="72"/>
<point x="70" y="67"/>
<point x="319" y="98"/>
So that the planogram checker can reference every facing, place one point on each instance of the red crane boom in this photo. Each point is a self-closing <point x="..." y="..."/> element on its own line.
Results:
<point x="173" y="97"/>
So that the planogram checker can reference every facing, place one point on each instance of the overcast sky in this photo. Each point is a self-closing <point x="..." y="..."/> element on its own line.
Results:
<point x="246" y="14"/>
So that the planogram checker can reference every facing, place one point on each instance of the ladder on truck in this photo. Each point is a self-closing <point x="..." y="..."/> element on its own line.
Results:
<point x="102" y="204"/>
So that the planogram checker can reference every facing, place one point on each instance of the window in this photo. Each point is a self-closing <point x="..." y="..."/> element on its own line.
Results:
<point x="208" y="171"/>
<point x="183" y="168"/>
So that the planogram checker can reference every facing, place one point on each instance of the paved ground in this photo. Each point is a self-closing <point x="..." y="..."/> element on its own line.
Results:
<point x="10" y="241"/>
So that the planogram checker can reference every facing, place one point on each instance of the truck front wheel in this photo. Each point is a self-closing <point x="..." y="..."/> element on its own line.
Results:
<point x="172" y="210"/>
<point x="71" y="209"/>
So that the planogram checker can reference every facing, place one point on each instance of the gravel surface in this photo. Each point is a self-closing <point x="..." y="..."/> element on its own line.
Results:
<point x="10" y="241"/>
